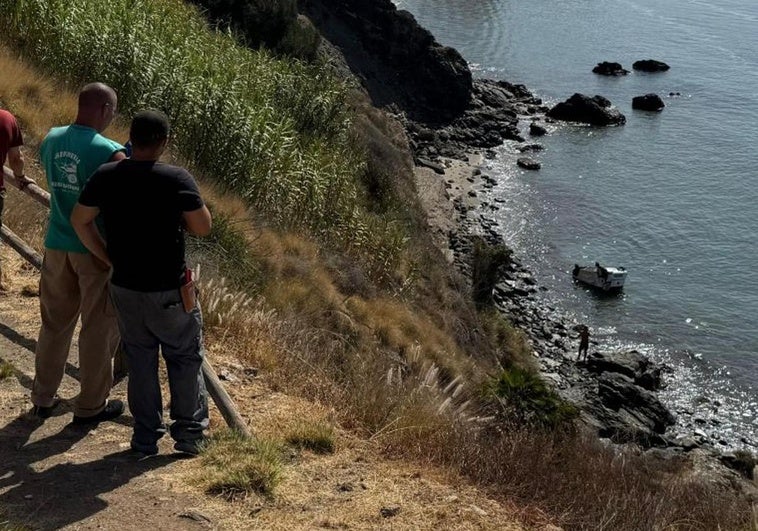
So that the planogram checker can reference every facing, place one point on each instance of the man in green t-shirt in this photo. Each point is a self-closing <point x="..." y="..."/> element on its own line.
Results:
<point x="73" y="281"/>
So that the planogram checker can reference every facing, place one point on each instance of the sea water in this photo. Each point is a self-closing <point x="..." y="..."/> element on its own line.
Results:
<point x="671" y="196"/>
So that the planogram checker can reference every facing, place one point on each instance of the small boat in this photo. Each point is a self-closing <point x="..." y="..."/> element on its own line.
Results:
<point x="607" y="279"/>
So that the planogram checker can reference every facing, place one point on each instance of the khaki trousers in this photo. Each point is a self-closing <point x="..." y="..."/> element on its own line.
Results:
<point x="74" y="284"/>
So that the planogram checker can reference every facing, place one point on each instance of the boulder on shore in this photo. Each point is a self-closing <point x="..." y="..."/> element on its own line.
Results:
<point x="536" y="129"/>
<point x="650" y="65"/>
<point x="595" y="110"/>
<point x="610" y="69"/>
<point x="528" y="164"/>
<point x="529" y="147"/>
<point x="629" y="363"/>
<point x="648" y="102"/>
<point x="619" y="392"/>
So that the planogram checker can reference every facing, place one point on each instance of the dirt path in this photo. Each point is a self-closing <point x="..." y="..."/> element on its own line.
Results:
<point x="54" y="475"/>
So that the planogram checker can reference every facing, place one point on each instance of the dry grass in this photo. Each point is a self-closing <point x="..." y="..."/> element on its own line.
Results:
<point x="584" y="485"/>
<point x="6" y="370"/>
<point x="36" y="101"/>
<point x="318" y="437"/>
<point x="372" y="358"/>
<point x="7" y="525"/>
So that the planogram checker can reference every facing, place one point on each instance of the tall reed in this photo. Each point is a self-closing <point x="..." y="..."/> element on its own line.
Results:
<point x="273" y="130"/>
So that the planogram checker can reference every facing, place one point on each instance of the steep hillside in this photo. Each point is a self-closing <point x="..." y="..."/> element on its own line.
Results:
<point x="327" y="304"/>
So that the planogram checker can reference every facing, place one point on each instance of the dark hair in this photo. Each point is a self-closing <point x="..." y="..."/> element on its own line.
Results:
<point x="149" y="128"/>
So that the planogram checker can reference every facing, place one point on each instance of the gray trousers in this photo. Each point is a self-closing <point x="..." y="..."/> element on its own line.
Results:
<point x="149" y="320"/>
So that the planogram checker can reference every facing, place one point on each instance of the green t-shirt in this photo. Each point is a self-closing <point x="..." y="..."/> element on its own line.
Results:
<point x="70" y="155"/>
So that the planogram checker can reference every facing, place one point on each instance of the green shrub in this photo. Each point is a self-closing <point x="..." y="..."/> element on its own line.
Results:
<point x="301" y="40"/>
<point x="487" y="260"/>
<point x="226" y="252"/>
<point x="524" y="396"/>
<point x="743" y="462"/>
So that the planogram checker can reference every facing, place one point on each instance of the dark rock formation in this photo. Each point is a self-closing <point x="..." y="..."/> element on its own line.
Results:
<point x="530" y="147"/>
<point x="610" y="69"/>
<point x="648" y="102"/>
<point x="742" y="462"/>
<point x="650" y="65"/>
<point x="629" y="363"/>
<point x="528" y="164"/>
<point x="405" y="70"/>
<point x="399" y="62"/>
<point x="536" y="129"/>
<point x="490" y="118"/>
<point x="437" y="168"/>
<point x="594" y="111"/>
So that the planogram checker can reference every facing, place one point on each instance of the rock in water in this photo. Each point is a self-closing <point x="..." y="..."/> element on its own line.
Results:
<point x="528" y="164"/>
<point x="610" y="69"/>
<point x="650" y="65"/>
<point x="536" y="129"/>
<point x="648" y="102"/>
<point x="595" y="110"/>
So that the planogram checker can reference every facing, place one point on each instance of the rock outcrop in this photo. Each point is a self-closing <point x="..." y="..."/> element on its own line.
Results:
<point x="528" y="164"/>
<point x="648" y="102"/>
<point x="610" y="69"/>
<point x="650" y="65"/>
<point x="399" y="62"/>
<point x="536" y="129"/>
<point x="630" y="363"/>
<point x="595" y="110"/>
<point x="490" y="118"/>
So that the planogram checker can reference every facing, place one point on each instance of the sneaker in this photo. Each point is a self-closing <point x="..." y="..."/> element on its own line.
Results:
<point x="113" y="409"/>
<point x="44" y="412"/>
<point x="189" y="447"/>
<point x="145" y="449"/>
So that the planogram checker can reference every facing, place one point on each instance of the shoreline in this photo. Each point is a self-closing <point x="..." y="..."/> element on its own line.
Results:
<point x="447" y="116"/>
<point x="453" y="199"/>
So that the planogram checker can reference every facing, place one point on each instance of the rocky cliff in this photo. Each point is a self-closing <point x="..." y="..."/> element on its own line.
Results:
<point x="399" y="63"/>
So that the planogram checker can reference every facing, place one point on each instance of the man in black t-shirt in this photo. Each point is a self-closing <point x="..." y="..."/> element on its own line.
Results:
<point x="146" y="206"/>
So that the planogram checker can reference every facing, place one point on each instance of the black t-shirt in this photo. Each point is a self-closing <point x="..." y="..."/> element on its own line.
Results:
<point x="141" y="203"/>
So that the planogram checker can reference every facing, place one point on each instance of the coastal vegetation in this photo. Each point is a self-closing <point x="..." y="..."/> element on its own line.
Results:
<point x="320" y="276"/>
<point x="276" y="132"/>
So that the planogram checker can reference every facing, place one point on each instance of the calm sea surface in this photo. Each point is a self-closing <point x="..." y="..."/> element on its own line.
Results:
<point x="673" y="196"/>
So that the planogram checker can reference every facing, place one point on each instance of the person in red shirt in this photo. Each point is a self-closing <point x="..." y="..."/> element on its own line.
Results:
<point x="10" y="151"/>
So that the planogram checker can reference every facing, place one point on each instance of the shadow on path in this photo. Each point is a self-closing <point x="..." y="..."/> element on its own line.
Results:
<point x="66" y="492"/>
<point x="30" y="345"/>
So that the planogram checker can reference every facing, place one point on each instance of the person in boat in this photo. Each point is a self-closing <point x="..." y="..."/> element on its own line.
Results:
<point x="584" y="342"/>
<point x="601" y="271"/>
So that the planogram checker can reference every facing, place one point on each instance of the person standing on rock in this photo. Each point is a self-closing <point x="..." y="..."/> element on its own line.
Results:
<point x="73" y="282"/>
<point x="584" y="342"/>
<point x="146" y="207"/>
<point x="10" y="150"/>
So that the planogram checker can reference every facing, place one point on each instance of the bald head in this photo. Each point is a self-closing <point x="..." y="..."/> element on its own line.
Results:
<point x="97" y="106"/>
